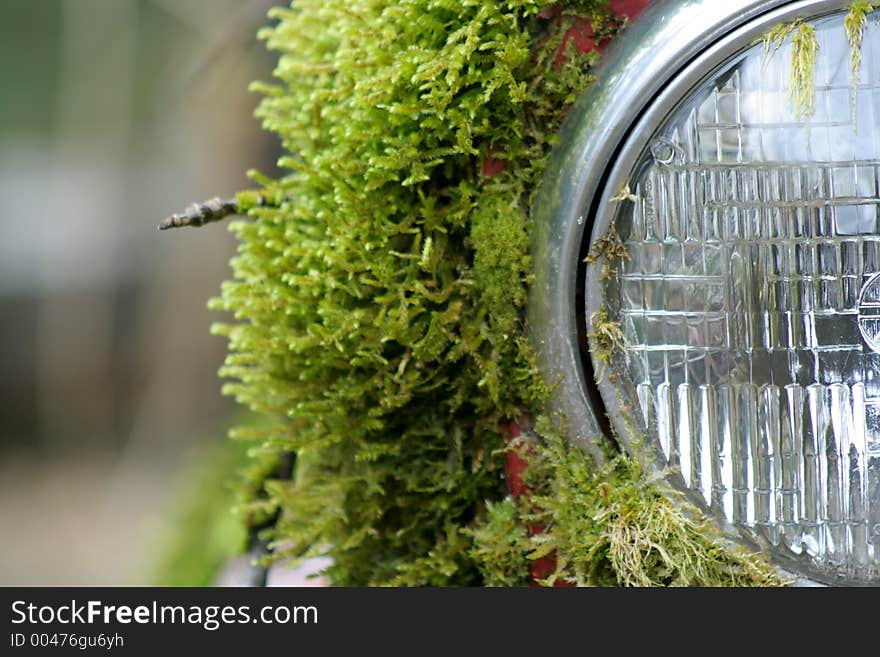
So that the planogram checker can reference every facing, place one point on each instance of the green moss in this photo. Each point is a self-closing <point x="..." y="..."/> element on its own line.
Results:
<point x="502" y="545"/>
<point x="775" y="37"/>
<point x="616" y="526"/>
<point x="607" y="336"/>
<point x="802" y="84"/>
<point x="804" y="47"/>
<point x="804" y="50"/>
<point x="378" y="301"/>
<point x="854" y="23"/>
<point x="609" y="248"/>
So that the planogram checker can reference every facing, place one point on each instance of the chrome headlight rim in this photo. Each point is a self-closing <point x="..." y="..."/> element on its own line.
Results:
<point x="662" y="58"/>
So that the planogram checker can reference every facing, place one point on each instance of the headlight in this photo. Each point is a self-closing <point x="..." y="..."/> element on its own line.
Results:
<point x="735" y="329"/>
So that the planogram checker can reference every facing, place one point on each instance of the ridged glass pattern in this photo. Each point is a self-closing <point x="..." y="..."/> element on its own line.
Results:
<point x="750" y="302"/>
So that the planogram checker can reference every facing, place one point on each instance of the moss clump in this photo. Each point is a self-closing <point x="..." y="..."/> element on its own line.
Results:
<point x="611" y="249"/>
<point x="775" y="37"/>
<point x="804" y="47"/>
<point x="615" y="526"/>
<point x="608" y="526"/>
<point x="380" y="303"/>
<point x="802" y="89"/>
<point x="502" y="545"/>
<point x="854" y="23"/>
<point x="607" y="336"/>
<point x="379" y="299"/>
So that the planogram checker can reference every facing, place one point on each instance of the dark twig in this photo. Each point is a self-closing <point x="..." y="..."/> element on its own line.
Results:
<point x="199" y="214"/>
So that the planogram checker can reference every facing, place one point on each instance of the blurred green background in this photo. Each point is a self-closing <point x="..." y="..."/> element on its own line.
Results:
<point x="113" y="114"/>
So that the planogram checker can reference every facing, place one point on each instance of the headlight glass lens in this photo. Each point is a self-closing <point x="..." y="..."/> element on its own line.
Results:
<point x="749" y="300"/>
